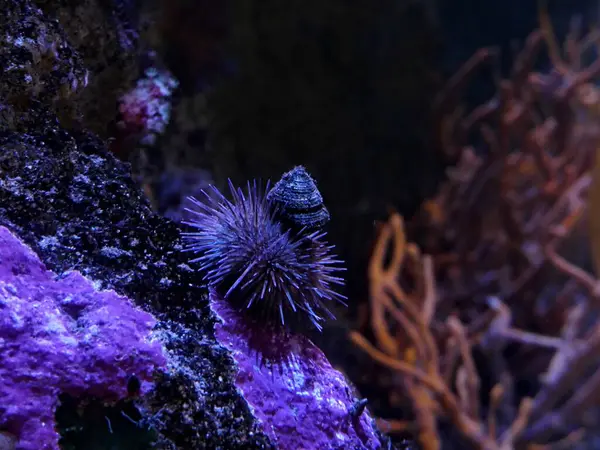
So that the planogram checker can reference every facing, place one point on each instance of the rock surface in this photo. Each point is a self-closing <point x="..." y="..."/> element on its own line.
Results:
<point x="62" y="336"/>
<point x="300" y="399"/>
<point x="76" y="207"/>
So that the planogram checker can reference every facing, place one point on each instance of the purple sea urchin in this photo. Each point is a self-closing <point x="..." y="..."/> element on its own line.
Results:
<point x="255" y="263"/>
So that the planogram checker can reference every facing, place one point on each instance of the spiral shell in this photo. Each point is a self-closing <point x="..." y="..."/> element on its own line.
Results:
<point x="298" y="200"/>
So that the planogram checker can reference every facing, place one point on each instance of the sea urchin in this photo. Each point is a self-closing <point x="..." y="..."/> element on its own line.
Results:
<point x="257" y="264"/>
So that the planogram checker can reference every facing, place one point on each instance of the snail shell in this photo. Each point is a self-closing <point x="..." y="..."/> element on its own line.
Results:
<point x="298" y="201"/>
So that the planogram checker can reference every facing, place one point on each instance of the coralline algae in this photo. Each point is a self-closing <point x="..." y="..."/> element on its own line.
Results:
<point x="61" y="335"/>
<point x="301" y="400"/>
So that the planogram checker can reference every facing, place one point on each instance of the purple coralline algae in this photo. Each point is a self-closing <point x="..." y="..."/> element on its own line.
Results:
<point x="61" y="335"/>
<point x="302" y="402"/>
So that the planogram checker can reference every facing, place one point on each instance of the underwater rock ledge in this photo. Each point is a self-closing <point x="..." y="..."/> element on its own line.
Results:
<point x="66" y="197"/>
<point x="62" y="336"/>
<point x="302" y="401"/>
<point x="78" y="209"/>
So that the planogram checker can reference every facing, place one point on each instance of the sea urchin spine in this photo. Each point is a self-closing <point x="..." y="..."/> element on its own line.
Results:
<point x="256" y="263"/>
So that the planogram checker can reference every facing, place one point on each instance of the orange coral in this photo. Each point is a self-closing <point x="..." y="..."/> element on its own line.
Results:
<point x="495" y="270"/>
<point x="426" y="383"/>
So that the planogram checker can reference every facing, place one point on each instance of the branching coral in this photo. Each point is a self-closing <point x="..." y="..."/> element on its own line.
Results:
<point x="430" y="380"/>
<point x="502" y="267"/>
<point x="499" y="207"/>
<point x="442" y="381"/>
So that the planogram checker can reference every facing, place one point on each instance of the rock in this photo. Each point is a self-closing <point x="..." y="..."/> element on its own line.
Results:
<point x="62" y="336"/>
<point x="70" y="207"/>
<point x="77" y="207"/>
<point x="301" y="400"/>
